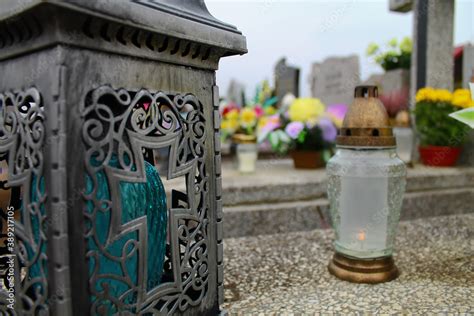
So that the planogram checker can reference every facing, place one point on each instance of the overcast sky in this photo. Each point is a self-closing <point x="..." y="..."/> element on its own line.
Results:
<point x="309" y="31"/>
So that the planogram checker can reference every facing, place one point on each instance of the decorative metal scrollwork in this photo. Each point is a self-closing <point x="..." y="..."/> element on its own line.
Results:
<point x="22" y="134"/>
<point x="118" y="125"/>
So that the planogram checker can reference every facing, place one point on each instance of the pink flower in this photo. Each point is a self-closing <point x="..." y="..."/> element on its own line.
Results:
<point x="259" y="111"/>
<point x="270" y="123"/>
<point x="338" y="111"/>
<point x="294" y="129"/>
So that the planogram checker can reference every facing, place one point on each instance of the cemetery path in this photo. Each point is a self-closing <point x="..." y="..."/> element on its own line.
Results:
<point x="286" y="273"/>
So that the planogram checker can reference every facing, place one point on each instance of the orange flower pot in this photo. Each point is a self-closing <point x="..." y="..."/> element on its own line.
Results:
<point x="307" y="159"/>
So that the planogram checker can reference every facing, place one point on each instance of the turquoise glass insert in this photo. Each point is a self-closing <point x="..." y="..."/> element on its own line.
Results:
<point x="37" y="269"/>
<point x="138" y="200"/>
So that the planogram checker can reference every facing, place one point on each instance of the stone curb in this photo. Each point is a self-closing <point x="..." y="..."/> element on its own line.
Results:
<point x="272" y="218"/>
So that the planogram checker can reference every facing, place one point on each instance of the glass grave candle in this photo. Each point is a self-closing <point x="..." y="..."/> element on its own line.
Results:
<point x="366" y="182"/>
<point x="247" y="152"/>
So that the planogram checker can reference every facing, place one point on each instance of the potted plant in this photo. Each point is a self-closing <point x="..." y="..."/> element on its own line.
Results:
<point x="307" y="130"/>
<point x="397" y="55"/>
<point x="240" y="126"/>
<point x="395" y="82"/>
<point x="441" y="136"/>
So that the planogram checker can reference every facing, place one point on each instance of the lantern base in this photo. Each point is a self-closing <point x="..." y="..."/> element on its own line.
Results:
<point x="354" y="270"/>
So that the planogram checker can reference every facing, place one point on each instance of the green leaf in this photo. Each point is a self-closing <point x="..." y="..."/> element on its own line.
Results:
<point x="283" y="137"/>
<point x="274" y="140"/>
<point x="270" y="102"/>
<point x="302" y="136"/>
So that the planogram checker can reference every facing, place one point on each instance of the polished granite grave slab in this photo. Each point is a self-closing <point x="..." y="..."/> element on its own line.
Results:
<point x="286" y="273"/>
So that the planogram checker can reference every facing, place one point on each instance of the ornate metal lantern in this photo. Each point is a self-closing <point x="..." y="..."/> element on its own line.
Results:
<point x="365" y="189"/>
<point x="89" y="92"/>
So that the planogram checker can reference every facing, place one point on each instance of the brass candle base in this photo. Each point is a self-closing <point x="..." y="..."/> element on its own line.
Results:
<point x="363" y="270"/>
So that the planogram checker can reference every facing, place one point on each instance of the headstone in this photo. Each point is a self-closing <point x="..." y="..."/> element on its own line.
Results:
<point x="287" y="80"/>
<point x="333" y="81"/>
<point x="432" y="57"/>
<point x="467" y="65"/>
<point x="432" y="53"/>
<point x="373" y="80"/>
<point x="467" y="155"/>
<point x="396" y="79"/>
<point x="236" y="93"/>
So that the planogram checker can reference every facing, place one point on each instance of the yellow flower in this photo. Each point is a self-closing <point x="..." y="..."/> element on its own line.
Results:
<point x="232" y="115"/>
<point x="229" y="125"/>
<point x="424" y="94"/>
<point x="433" y="95"/>
<point x="248" y="117"/>
<point x="225" y="124"/>
<point x="443" y="95"/>
<point x="262" y="122"/>
<point x="462" y="98"/>
<point x="305" y="109"/>
<point x="270" y="110"/>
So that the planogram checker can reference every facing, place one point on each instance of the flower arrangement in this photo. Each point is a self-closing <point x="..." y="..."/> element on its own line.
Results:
<point x="307" y="125"/>
<point x="264" y="97"/>
<point x="398" y="55"/>
<point x="240" y="120"/>
<point x="433" y="106"/>
<point x="250" y="118"/>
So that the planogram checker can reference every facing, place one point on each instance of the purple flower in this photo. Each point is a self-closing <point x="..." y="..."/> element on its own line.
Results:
<point x="338" y="111"/>
<point x="294" y="129"/>
<point x="328" y="129"/>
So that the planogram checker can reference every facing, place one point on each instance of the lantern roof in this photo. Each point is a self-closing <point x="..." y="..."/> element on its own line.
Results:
<point x="187" y="21"/>
<point x="366" y="123"/>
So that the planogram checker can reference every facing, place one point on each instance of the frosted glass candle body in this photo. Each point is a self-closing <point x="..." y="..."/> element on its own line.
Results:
<point x="365" y="190"/>
<point x="405" y="140"/>
<point x="247" y="157"/>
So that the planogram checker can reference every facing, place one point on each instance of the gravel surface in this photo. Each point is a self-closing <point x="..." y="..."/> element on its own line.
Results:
<point x="287" y="273"/>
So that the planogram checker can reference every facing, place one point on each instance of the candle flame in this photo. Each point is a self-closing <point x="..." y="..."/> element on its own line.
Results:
<point x="361" y="235"/>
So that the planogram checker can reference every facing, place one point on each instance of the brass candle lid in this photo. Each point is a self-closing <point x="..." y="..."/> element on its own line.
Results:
<point x="366" y="123"/>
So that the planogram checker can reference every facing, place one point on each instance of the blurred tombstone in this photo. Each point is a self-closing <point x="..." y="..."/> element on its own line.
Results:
<point x="333" y="81"/>
<point x="467" y="65"/>
<point x="374" y="80"/>
<point x="432" y="55"/>
<point x="236" y="93"/>
<point x="287" y="80"/>
<point x="467" y="155"/>
<point x="463" y="65"/>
